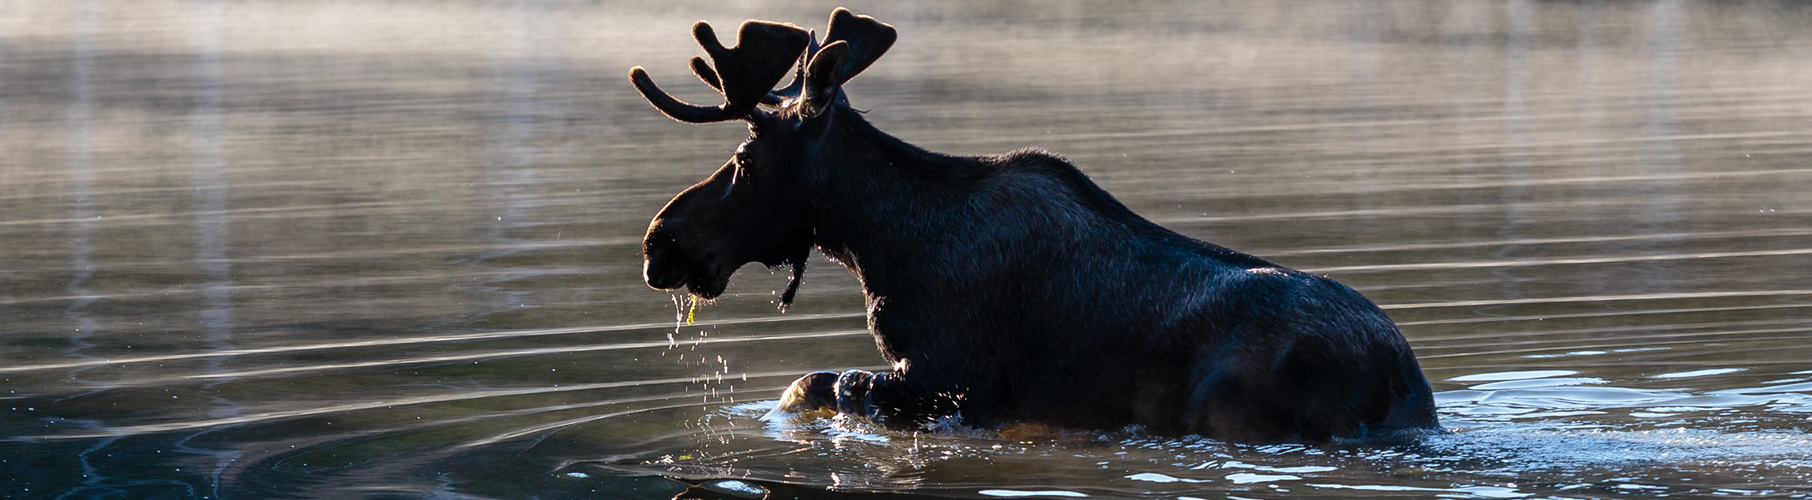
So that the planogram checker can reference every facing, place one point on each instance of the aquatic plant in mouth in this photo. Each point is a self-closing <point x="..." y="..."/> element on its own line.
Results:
<point x="685" y="313"/>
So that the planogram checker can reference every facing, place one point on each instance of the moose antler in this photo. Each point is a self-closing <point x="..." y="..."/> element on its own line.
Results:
<point x="867" y="40"/>
<point x="745" y="73"/>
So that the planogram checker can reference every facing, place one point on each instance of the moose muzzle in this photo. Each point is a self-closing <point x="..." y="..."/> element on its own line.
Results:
<point x="662" y="269"/>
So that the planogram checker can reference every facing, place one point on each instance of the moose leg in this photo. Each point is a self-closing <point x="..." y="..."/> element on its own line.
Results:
<point x="852" y="393"/>
<point x="888" y="400"/>
<point x="882" y="398"/>
<point x="1226" y="405"/>
<point x="812" y="392"/>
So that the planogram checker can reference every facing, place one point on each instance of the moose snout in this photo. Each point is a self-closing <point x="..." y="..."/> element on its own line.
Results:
<point x="660" y="264"/>
<point x="661" y="277"/>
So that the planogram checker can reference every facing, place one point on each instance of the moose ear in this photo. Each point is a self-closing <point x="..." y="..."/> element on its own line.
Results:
<point x="863" y="40"/>
<point x="823" y="81"/>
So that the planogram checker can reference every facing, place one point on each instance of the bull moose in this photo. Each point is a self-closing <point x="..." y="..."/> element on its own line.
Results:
<point x="1010" y="288"/>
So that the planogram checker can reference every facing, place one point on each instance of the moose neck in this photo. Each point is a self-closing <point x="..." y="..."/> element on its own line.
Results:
<point x="883" y="202"/>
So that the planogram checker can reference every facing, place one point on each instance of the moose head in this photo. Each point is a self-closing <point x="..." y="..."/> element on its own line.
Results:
<point x="755" y="208"/>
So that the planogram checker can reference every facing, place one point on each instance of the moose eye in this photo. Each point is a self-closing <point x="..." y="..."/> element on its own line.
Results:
<point x="742" y="155"/>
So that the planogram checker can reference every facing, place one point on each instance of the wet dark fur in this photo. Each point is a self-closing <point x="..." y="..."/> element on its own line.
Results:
<point x="1012" y="288"/>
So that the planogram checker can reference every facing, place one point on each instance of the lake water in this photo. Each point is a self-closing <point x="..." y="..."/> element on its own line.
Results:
<point x="390" y="249"/>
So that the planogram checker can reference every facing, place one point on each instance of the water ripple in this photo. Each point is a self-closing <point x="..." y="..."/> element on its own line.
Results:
<point x="264" y="417"/>
<point x="432" y="339"/>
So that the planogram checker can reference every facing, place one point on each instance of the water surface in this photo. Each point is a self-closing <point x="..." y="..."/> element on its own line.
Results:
<point x="389" y="249"/>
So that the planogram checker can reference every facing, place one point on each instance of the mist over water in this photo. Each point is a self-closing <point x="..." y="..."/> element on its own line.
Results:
<point x="390" y="249"/>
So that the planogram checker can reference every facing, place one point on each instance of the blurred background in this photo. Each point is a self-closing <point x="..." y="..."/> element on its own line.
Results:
<point x="259" y="249"/>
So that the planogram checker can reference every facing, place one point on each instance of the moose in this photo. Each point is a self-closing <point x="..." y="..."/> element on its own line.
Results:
<point x="1009" y="288"/>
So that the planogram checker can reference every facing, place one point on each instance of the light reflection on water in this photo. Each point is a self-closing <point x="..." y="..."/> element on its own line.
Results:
<point x="388" y="249"/>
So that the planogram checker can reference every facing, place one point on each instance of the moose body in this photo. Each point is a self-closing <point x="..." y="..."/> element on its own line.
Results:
<point x="1011" y="288"/>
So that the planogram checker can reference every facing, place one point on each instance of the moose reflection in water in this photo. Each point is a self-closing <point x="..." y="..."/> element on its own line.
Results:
<point x="1010" y="288"/>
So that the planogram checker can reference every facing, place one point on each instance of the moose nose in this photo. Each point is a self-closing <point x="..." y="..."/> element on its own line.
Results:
<point x="661" y="277"/>
<point x="658" y="269"/>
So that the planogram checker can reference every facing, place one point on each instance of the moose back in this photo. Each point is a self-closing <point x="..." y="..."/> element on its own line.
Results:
<point x="1009" y="288"/>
